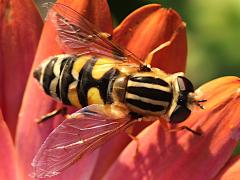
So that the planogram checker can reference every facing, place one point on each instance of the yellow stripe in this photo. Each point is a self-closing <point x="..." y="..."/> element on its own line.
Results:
<point x="94" y="97"/>
<point x="147" y="100"/>
<point x="78" y="65"/>
<point x="148" y="85"/>
<point x="53" y="87"/>
<point x="102" y="66"/>
<point x="72" y="94"/>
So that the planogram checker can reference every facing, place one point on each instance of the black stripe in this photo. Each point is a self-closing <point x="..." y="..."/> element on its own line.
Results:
<point x="57" y="90"/>
<point x="144" y="105"/>
<point x="150" y="80"/>
<point x="64" y="61"/>
<point x="108" y="78"/>
<point x="154" y="94"/>
<point x="86" y="81"/>
<point x="48" y="75"/>
<point x="66" y="79"/>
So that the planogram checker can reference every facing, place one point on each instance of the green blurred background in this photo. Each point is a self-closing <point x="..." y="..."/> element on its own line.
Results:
<point x="213" y="32"/>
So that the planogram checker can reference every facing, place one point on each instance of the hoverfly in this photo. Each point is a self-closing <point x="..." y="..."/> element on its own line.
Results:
<point x="113" y="87"/>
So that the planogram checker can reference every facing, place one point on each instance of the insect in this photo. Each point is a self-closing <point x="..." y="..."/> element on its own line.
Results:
<point x="112" y="87"/>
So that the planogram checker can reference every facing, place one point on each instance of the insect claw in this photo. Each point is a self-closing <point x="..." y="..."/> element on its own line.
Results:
<point x="203" y="100"/>
<point x="200" y="105"/>
<point x="192" y="131"/>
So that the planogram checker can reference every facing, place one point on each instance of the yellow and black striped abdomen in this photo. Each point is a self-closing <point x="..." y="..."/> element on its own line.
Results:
<point x="78" y="80"/>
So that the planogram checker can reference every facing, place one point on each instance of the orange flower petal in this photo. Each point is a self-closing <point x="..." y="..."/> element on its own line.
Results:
<point x="128" y="34"/>
<point x="231" y="170"/>
<point x="163" y="155"/>
<point x="149" y="27"/>
<point x="21" y="26"/>
<point x="8" y="166"/>
<point x="36" y="103"/>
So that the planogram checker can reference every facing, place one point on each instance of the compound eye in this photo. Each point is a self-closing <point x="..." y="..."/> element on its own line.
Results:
<point x="179" y="114"/>
<point x="184" y="84"/>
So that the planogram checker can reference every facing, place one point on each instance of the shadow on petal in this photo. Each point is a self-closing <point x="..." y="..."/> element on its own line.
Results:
<point x="20" y="26"/>
<point x="8" y="165"/>
<point x="231" y="170"/>
<point x="163" y="155"/>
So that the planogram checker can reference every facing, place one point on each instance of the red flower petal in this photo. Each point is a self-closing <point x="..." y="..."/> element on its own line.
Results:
<point x="231" y="171"/>
<point x="163" y="155"/>
<point x="149" y="27"/>
<point x="8" y="166"/>
<point x="36" y="103"/>
<point x="108" y="154"/>
<point x="21" y="26"/>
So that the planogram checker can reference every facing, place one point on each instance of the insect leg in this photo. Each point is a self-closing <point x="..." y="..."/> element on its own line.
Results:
<point x="47" y="116"/>
<point x="165" y="126"/>
<point x="186" y="128"/>
<point x="134" y="138"/>
<point x="149" y="58"/>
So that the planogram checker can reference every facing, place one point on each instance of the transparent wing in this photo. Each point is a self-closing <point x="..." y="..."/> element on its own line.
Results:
<point x="88" y="129"/>
<point x="77" y="35"/>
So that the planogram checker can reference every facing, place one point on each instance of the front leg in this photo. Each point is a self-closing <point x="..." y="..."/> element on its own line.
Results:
<point x="165" y="125"/>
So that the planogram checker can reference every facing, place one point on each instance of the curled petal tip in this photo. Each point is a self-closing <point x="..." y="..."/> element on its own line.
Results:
<point x="148" y="28"/>
<point x="7" y="152"/>
<point x="172" y="58"/>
